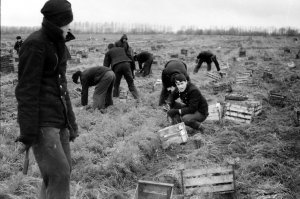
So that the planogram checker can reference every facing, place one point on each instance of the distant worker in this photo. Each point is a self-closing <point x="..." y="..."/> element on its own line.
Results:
<point x="145" y="60"/>
<point x="208" y="57"/>
<point x="120" y="63"/>
<point x="101" y="77"/>
<point x="123" y="42"/>
<point x="172" y="68"/>
<point x="69" y="36"/>
<point x="18" y="44"/>
<point x="194" y="108"/>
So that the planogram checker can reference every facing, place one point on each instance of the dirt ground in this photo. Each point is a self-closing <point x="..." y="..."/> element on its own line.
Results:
<point x="117" y="148"/>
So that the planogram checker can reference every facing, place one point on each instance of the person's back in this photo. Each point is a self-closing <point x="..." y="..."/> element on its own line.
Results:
<point x="114" y="56"/>
<point x="205" y="56"/>
<point x="208" y="57"/>
<point x="145" y="58"/>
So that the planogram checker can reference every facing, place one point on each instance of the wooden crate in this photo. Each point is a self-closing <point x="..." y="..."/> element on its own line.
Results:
<point x="173" y="134"/>
<point x="213" y="76"/>
<point x="153" y="190"/>
<point x="215" y="112"/>
<point x="236" y="97"/>
<point x="224" y="86"/>
<point x="208" y="180"/>
<point x="184" y="52"/>
<point x="242" y="112"/>
<point x="157" y="85"/>
<point x="276" y="99"/>
<point x="123" y="96"/>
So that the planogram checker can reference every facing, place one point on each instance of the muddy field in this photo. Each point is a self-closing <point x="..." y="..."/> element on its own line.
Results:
<point x="117" y="148"/>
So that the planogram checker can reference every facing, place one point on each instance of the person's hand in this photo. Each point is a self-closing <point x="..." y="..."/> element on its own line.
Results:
<point x="73" y="135"/>
<point x="173" y="112"/>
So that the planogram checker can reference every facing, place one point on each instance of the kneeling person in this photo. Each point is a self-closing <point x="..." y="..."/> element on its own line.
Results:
<point x="145" y="60"/>
<point x="194" y="108"/>
<point x="101" y="77"/>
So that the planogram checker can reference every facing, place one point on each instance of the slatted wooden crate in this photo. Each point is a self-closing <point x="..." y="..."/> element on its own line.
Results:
<point x="242" y="112"/>
<point x="174" y="55"/>
<point x="220" y="179"/>
<point x="215" y="112"/>
<point x="276" y="99"/>
<point x="123" y="96"/>
<point x="173" y="134"/>
<point x="242" y="53"/>
<point x="267" y="75"/>
<point x="184" y="52"/>
<point x="153" y="190"/>
<point x="157" y="85"/>
<point x="7" y="64"/>
<point x="236" y="97"/>
<point x="213" y="76"/>
<point x="224" y="86"/>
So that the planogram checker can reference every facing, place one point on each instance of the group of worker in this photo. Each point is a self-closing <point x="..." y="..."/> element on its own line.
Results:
<point x="45" y="114"/>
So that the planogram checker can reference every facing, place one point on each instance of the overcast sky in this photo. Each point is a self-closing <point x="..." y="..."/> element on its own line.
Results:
<point x="176" y="13"/>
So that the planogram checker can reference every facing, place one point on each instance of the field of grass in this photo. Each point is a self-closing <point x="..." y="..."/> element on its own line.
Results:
<point x="117" y="148"/>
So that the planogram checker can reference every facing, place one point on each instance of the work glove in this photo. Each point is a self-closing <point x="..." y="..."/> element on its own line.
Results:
<point x="173" y="112"/>
<point x="25" y="144"/>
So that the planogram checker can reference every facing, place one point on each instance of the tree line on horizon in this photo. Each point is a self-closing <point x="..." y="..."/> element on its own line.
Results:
<point x="119" y="28"/>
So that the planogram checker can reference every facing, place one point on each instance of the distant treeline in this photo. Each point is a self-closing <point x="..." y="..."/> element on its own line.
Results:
<point x="119" y="28"/>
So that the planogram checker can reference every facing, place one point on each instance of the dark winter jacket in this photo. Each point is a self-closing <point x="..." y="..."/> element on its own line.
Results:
<point x="192" y="98"/>
<point x="18" y="45"/>
<point x="123" y="44"/>
<point x="114" y="56"/>
<point x="143" y="57"/>
<point x="205" y="56"/>
<point x="172" y="68"/>
<point x="42" y="95"/>
<point x="90" y="77"/>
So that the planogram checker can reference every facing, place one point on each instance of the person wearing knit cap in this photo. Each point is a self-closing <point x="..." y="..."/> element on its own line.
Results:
<point x="45" y="115"/>
<point x="18" y="44"/>
<point x="172" y="68"/>
<point x="194" y="108"/>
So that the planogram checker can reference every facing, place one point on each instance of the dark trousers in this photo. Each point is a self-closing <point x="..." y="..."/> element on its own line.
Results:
<point x="52" y="153"/>
<point x="164" y="94"/>
<point x="147" y="67"/>
<point x="124" y="68"/>
<point x="102" y="97"/>
<point x="193" y="120"/>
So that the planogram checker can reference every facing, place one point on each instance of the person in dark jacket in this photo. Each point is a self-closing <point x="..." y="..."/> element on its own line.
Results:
<point x="18" y="44"/>
<point x="194" y="108"/>
<point x="101" y="77"/>
<point x="120" y="63"/>
<point x="123" y="43"/>
<point x="69" y="36"/>
<point x="172" y="68"/>
<point x="145" y="60"/>
<point x="45" y="115"/>
<point x="207" y="57"/>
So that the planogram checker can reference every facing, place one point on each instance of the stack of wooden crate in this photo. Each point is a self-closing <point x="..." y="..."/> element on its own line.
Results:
<point x="242" y="112"/>
<point x="276" y="99"/>
<point x="7" y="64"/>
<point x="215" y="77"/>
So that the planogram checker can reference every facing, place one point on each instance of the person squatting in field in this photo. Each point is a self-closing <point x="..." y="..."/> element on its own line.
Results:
<point x="45" y="115"/>
<point x="101" y="77"/>
<point x="145" y="60"/>
<point x="194" y="108"/>
<point x="207" y="57"/>
<point x="172" y="68"/>
<point x="121" y="65"/>
<point x="123" y="43"/>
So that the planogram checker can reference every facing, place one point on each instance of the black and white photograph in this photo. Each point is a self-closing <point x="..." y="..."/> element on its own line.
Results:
<point x="159" y="99"/>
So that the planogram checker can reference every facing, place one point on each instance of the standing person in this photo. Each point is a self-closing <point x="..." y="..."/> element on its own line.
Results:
<point x="194" y="108"/>
<point x="45" y="114"/>
<point x="121" y="65"/>
<point x="123" y="43"/>
<point x="69" y="36"/>
<point x="145" y="60"/>
<point x="172" y="68"/>
<point x="101" y="77"/>
<point x="207" y="57"/>
<point x="18" y="44"/>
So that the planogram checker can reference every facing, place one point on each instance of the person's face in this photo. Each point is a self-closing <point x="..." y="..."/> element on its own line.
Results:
<point x="124" y="40"/>
<point x="65" y="29"/>
<point x="181" y="85"/>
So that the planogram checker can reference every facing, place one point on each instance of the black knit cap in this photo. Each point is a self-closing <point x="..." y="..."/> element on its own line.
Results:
<point x="59" y="12"/>
<point x="179" y="77"/>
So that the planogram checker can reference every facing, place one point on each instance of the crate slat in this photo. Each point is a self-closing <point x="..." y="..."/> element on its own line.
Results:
<point x="210" y="189"/>
<point x="198" y="172"/>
